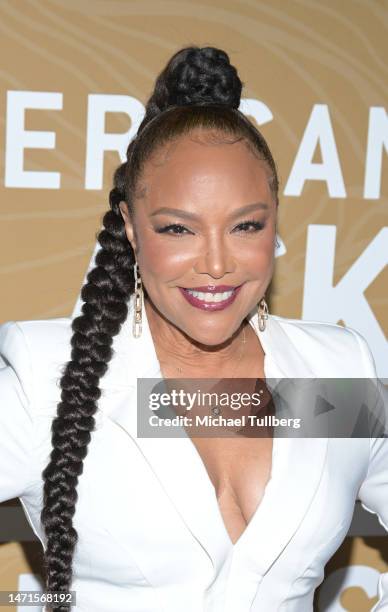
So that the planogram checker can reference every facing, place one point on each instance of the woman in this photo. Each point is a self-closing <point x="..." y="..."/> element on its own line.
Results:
<point x="230" y="523"/>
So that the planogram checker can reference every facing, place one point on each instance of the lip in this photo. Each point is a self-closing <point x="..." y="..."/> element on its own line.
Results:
<point x="211" y="306"/>
<point x="213" y="288"/>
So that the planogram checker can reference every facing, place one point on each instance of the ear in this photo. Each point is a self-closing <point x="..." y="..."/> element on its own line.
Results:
<point x="129" y="229"/>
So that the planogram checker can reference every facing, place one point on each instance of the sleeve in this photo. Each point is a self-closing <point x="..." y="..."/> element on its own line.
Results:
<point x="16" y="423"/>
<point x="373" y="493"/>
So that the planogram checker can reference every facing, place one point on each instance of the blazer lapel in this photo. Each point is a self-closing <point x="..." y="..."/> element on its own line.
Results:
<point x="175" y="461"/>
<point x="297" y="463"/>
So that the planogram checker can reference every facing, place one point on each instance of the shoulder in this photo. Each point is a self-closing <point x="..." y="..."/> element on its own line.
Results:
<point x="41" y="338"/>
<point x="342" y="347"/>
<point x="31" y="356"/>
<point x="35" y="350"/>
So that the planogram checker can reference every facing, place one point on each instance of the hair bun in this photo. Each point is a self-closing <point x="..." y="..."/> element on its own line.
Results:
<point x="196" y="75"/>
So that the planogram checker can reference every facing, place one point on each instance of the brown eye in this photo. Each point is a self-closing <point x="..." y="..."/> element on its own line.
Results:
<point x="175" y="226"/>
<point x="256" y="225"/>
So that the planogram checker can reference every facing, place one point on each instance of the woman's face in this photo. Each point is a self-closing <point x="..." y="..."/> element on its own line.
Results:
<point x="204" y="216"/>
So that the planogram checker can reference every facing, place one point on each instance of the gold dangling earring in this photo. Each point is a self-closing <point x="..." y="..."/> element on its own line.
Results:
<point x="138" y="311"/>
<point x="263" y="313"/>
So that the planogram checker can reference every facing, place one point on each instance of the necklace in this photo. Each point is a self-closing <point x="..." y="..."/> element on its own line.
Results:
<point x="216" y="410"/>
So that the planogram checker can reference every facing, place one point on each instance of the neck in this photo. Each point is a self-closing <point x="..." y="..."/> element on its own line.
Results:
<point x="175" y="348"/>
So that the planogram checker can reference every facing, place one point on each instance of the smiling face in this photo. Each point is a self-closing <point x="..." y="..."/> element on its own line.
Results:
<point x="204" y="216"/>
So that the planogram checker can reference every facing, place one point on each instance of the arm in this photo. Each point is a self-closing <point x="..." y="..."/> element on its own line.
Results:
<point x="373" y="492"/>
<point x="373" y="495"/>
<point x="16" y="424"/>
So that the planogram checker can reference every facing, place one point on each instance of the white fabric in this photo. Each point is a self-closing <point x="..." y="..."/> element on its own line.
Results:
<point x="151" y="535"/>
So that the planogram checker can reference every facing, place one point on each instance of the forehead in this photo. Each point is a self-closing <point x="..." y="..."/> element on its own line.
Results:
<point x="196" y="166"/>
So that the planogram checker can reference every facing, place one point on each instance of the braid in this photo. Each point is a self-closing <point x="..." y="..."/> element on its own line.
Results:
<point x="108" y="288"/>
<point x="197" y="88"/>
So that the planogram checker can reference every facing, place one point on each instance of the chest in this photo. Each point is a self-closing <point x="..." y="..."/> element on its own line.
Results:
<point x="239" y="470"/>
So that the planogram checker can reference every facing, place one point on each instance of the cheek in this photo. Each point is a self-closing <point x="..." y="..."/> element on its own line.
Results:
<point x="165" y="259"/>
<point x="257" y="254"/>
<point x="258" y="272"/>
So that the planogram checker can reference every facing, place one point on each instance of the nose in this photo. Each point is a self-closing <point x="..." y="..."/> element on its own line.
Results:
<point x="217" y="259"/>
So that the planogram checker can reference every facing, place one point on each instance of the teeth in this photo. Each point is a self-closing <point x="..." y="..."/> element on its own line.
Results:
<point x="210" y="297"/>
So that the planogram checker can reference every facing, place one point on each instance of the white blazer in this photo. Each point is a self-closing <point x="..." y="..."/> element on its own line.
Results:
<point x="151" y="535"/>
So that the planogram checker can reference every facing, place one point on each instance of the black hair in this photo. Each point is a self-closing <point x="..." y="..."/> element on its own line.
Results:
<point x="198" y="90"/>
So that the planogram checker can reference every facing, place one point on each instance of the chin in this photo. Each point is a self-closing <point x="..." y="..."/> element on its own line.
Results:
<point x="209" y="338"/>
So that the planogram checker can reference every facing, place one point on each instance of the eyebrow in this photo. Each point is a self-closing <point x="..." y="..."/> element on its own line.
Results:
<point x="187" y="215"/>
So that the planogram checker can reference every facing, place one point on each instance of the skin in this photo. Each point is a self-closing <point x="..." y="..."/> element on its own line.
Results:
<point x="212" y="181"/>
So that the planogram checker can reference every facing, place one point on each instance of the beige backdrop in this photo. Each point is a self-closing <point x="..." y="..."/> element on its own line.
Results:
<point x="316" y="76"/>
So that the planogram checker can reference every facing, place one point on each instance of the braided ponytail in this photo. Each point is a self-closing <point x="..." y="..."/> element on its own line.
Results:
<point x="198" y="89"/>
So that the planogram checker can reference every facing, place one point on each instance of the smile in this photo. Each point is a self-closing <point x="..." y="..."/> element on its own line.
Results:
<point x="210" y="300"/>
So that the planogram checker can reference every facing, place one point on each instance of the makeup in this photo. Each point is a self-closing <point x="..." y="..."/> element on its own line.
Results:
<point x="211" y="298"/>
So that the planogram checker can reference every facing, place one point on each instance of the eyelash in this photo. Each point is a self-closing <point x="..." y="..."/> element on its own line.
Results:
<point x="256" y="224"/>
